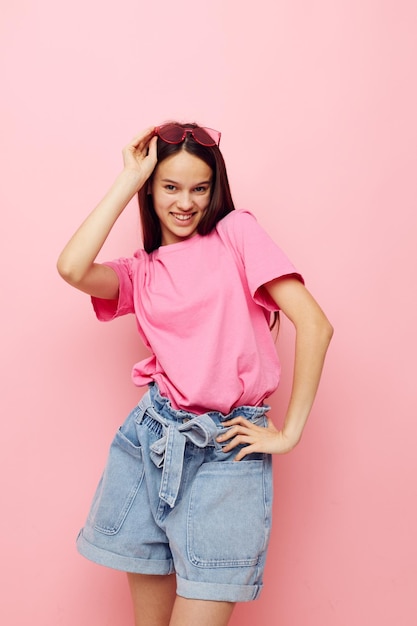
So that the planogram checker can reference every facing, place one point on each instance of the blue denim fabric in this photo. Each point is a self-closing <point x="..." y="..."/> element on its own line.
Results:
<point x="171" y="500"/>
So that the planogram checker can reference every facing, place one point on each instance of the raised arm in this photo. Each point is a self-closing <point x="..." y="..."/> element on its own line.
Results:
<point x="76" y="263"/>
<point x="313" y="335"/>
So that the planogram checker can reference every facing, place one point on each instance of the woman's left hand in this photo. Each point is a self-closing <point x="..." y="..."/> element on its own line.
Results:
<point x="254" y="438"/>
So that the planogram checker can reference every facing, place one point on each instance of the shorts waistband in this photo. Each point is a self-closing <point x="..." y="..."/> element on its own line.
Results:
<point x="164" y="408"/>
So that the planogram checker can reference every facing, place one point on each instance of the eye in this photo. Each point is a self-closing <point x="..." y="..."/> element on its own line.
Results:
<point x="170" y="187"/>
<point x="201" y="189"/>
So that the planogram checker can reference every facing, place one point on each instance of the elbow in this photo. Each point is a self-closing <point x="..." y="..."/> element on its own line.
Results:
<point x="330" y="332"/>
<point x="326" y="331"/>
<point x="319" y="327"/>
<point x="67" y="271"/>
<point x="63" y="269"/>
<point x="316" y="331"/>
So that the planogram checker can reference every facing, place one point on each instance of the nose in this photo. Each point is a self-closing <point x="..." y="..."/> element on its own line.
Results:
<point x="184" y="201"/>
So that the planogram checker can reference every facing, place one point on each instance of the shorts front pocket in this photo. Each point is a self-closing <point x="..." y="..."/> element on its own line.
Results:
<point x="118" y="486"/>
<point x="229" y="514"/>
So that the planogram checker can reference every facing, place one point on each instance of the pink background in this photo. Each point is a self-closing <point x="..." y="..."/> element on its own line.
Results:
<point x="317" y="104"/>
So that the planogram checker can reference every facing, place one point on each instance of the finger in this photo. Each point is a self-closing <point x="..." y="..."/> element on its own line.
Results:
<point x="242" y="453"/>
<point x="145" y="135"/>
<point x="140" y="142"/>
<point x="152" y="148"/>
<point x="246" y="428"/>
<point x="238" y="420"/>
<point x="233" y="431"/>
<point x="248" y="449"/>
<point x="239" y="440"/>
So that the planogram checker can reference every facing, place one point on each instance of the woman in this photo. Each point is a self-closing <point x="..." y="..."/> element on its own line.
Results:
<point x="184" y="504"/>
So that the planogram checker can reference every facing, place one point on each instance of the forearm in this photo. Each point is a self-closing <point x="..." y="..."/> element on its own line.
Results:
<point x="82" y="249"/>
<point x="312" y="341"/>
<point x="313" y="337"/>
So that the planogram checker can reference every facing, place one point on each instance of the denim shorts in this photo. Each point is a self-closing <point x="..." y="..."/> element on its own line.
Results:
<point x="170" y="500"/>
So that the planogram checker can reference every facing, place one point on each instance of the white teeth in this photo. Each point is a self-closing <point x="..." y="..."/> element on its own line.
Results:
<point x="182" y="218"/>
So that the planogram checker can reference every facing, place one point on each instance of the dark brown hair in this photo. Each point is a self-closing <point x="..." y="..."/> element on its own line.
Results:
<point x="220" y="204"/>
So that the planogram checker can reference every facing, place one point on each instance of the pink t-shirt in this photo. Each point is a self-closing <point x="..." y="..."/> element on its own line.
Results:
<point x="202" y="312"/>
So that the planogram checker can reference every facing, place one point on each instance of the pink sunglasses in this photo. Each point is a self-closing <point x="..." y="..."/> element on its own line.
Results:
<point x="173" y="133"/>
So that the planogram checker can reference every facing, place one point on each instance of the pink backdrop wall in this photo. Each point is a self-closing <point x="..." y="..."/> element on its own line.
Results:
<point x="317" y="102"/>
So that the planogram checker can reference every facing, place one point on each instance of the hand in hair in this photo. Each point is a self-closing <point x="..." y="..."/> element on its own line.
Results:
<point x="140" y="154"/>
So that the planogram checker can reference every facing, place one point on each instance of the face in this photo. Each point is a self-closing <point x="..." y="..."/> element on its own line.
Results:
<point x="181" y="189"/>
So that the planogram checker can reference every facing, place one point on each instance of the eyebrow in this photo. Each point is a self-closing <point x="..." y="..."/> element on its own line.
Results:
<point x="169" y="180"/>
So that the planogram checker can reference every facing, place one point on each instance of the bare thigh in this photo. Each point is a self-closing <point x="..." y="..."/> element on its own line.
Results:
<point x="202" y="612"/>
<point x="153" y="598"/>
<point x="155" y="603"/>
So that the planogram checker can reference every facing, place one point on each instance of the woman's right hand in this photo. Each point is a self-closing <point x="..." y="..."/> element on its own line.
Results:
<point x="76" y="263"/>
<point x="140" y="154"/>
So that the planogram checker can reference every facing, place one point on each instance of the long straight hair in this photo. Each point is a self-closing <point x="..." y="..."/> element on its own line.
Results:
<point x="220" y="203"/>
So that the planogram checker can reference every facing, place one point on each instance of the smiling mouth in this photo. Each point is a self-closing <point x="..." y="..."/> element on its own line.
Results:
<point x="181" y="217"/>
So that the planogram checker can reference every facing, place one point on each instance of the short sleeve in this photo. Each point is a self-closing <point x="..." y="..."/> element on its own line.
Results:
<point x="262" y="259"/>
<point x="107" y="310"/>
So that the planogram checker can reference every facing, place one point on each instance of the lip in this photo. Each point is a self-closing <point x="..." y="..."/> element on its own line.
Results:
<point x="182" y="218"/>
